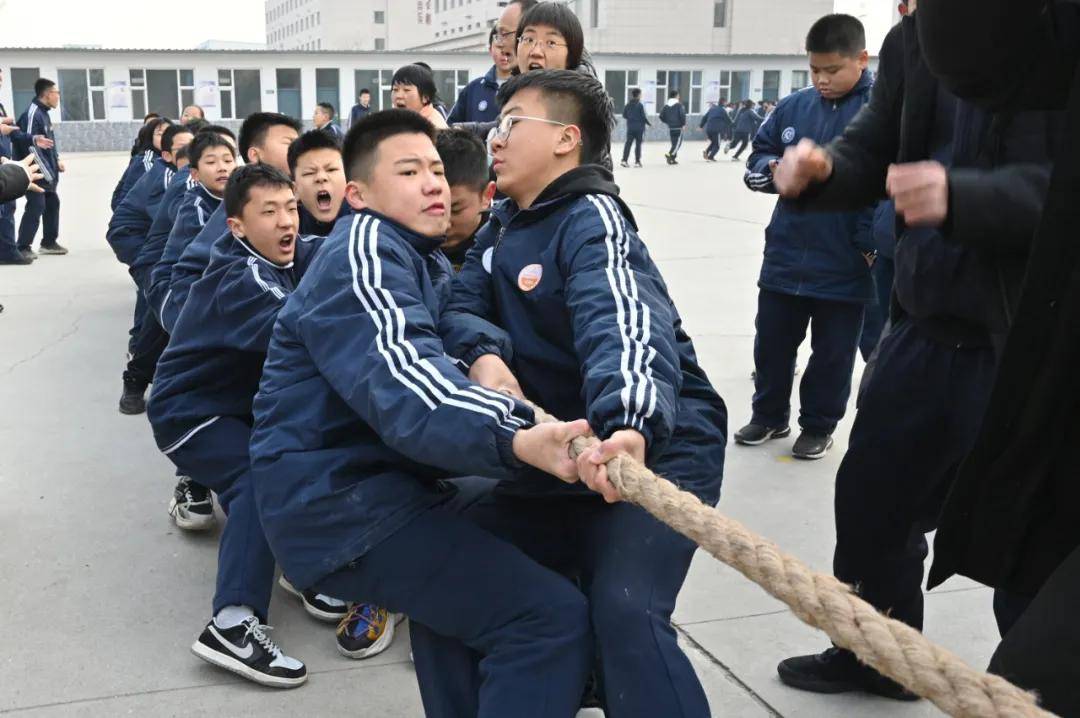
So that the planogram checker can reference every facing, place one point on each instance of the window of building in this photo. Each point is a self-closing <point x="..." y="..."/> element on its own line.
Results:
<point x="687" y="82"/>
<point x="799" y="79"/>
<point x="735" y="85"/>
<point x="137" y="82"/>
<point x="594" y="13"/>
<point x="162" y="91"/>
<point x="380" y="43"/>
<point x="378" y="81"/>
<point x="448" y="83"/>
<point x="719" y="13"/>
<point x="289" y="92"/>
<point x="770" y="85"/>
<point x="380" y="17"/>
<point x="82" y="94"/>
<point x="327" y="82"/>
<point x="618" y="84"/>
<point x="241" y="93"/>
<point x="187" y="88"/>
<point x="22" y="87"/>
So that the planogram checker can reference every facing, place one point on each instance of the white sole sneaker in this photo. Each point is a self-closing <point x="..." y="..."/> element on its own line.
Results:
<point x="231" y="664"/>
<point x="190" y="522"/>
<point x="375" y="648"/>
<point x="773" y="434"/>
<point x="313" y="611"/>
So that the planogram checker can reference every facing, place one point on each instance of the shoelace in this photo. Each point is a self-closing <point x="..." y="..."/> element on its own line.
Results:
<point x="362" y="613"/>
<point x="258" y="632"/>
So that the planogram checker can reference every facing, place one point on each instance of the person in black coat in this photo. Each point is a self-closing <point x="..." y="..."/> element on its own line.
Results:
<point x="636" y="122"/>
<point x="1012" y="519"/>
<point x="673" y="115"/>
<point x="968" y="187"/>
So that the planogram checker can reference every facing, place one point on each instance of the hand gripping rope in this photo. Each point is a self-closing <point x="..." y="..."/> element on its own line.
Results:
<point x="892" y="648"/>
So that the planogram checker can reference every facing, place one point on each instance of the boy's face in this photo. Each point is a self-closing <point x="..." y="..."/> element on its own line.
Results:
<point x="407" y="184"/>
<point x="320" y="117"/>
<point x="214" y="168"/>
<point x="834" y="75"/>
<point x="274" y="149"/>
<point x="406" y="97"/>
<point x="179" y="141"/>
<point x="466" y="207"/>
<point x="320" y="183"/>
<point x="269" y="222"/>
<point x="51" y="97"/>
<point x="365" y="99"/>
<point x="158" y="132"/>
<point x="524" y="160"/>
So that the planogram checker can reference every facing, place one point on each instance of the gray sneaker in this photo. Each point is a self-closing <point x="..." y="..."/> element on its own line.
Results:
<point x="53" y="248"/>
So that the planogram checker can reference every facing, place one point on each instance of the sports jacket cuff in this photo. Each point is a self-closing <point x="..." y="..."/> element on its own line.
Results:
<point x="485" y="348"/>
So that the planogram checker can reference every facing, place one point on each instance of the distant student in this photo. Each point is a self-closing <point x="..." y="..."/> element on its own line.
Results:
<point x="323" y="119"/>
<point x="200" y="408"/>
<point x="816" y="269"/>
<point x="361" y="108"/>
<point x="192" y="112"/>
<point x="572" y="290"/>
<point x="359" y="416"/>
<point x="148" y="146"/>
<point x="413" y="88"/>
<point x="465" y="162"/>
<point x="476" y="101"/>
<point x="636" y="122"/>
<point x="746" y="124"/>
<point x="42" y="209"/>
<point x="715" y="122"/>
<point x="674" y="116"/>
<point x="319" y="173"/>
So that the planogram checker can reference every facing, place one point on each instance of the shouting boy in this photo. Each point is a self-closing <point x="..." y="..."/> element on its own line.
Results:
<point x="316" y="168"/>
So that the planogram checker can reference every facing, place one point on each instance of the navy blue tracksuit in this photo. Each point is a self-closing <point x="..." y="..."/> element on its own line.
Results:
<point x="715" y="123"/>
<point x="476" y="101"/>
<point x="569" y="285"/>
<point x="139" y="165"/>
<point x="359" y="416"/>
<point x="8" y="246"/>
<point x="186" y="268"/>
<point x="42" y="208"/>
<point x="200" y="407"/>
<point x="674" y="116"/>
<point x="192" y="217"/>
<point x="636" y="122"/>
<point x="814" y="272"/>
<point x="745" y="125"/>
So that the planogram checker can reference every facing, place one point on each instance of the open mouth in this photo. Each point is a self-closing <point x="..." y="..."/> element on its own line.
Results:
<point x="536" y="66"/>
<point x="400" y="104"/>
<point x="324" y="201"/>
<point x="285" y="244"/>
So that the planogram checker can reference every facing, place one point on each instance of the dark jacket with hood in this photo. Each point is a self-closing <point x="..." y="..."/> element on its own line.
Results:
<point x="567" y="294"/>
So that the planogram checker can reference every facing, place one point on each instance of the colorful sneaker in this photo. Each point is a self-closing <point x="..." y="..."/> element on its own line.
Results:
<point x="247" y="651"/>
<point x="365" y="632"/>
<point x="192" y="506"/>
<point x="320" y="606"/>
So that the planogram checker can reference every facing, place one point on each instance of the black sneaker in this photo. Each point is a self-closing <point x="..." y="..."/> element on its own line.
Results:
<point x="247" y="651"/>
<point x="28" y="254"/>
<point x="811" y="446"/>
<point x="757" y="434"/>
<point x="838" y="671"/>
<point x="18" y="259"/>
<point x="637" y="164"/>
<point x="53" y="248"/>
<point x="133" y="400"/>
<point x="624" y="163"/>
<point x="192" y="506"/>
<point x="320" y="606"/>
<point x="365" y="632"/>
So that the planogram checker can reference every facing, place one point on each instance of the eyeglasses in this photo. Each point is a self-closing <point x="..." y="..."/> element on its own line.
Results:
<point x="529" y="41"/>
<point x="503" y="37"/>
<point x="502" y="132"/>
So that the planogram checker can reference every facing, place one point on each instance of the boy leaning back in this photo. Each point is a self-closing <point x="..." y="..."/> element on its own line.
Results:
<point x="359" y="416"/>
<point x="560" y="275"/>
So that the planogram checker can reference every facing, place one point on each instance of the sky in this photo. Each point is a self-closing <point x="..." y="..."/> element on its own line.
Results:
<point x="125" y="23"/>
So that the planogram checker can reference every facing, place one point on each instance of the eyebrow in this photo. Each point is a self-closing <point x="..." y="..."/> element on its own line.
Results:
<point x="510" y="110"/>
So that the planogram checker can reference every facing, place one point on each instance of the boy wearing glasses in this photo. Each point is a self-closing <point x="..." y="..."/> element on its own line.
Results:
<point x="560" y="275"/>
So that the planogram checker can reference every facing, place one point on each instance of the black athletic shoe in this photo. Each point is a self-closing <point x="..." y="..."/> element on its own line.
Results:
<point x="624" y="163"/>
<point x="365" y="632"/>
<point x="18" y="259"/>
<point x="192" y="506"/>
<point x="247" y="651"/>
<point x="838" y="671"/>
<point x="133" y="400"/>
<point x="320" y="606"/>
<point x="637" y="164"/>
<point x="28" y="254"/>
<point x="756" y="434"/>
<point x="811" y="446"/>
<point x="53" y="248"/>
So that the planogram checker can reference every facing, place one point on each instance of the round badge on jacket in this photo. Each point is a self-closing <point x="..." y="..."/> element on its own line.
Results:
<point x="529" y="277"/>
<point x="482" y="106"/>
<point x="789" y="135"/>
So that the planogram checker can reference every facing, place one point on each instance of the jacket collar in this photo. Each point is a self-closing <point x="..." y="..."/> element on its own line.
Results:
<point x="866" y="81"/>
<point x="580" y="181"/>
<point x="208" y="195"/>
<point x="41" y="105"/>
<point x="244" y="247"/>
<point x="491" y="78"/>
<point x="424" y="245"/>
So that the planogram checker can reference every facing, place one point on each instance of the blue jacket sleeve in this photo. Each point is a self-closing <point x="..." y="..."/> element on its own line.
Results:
<point x="373" y="339"/>
<point x="254" y="297"/>
<point x="864" y="231"/>
<point x="457" y="114"/>
<point x="767" y="147"/>
<point x="465" y="326"/>
<point x="624" y="327"/>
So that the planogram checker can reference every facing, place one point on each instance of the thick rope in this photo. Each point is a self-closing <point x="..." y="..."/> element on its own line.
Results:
<point x="892" y="648"/>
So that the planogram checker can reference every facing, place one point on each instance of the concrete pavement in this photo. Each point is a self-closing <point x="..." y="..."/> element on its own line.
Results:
<point x="101" y="595"/>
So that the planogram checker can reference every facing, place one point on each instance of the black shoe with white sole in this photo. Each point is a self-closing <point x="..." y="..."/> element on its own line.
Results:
<point x="133" y="400"/>
<point x="318" y="605"/>
<point x="756" y="434"/>
<point x="192" y="506"/>
<point x="811" y="446"/>
<point x="838" y="671"/>
<point x="247" y="651"/>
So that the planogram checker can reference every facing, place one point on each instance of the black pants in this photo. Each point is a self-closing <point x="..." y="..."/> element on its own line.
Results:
<point x="149" y="344"/>
<point x="676" y="143"/>
<point x="877" y="314"/>
<point x="42" y="208"/>
<point x="742" y="139"/>
<point x="782" y="320"/>
<point x="714" y="145"/>
<point x="633" y="137"/>
<point x="920" y="407"/>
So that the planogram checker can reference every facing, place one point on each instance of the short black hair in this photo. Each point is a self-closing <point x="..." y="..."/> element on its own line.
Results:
<point x="220" y="130"/>
<point x="362" y="142"/>
<point x="253" y="131"/>
<point x="574" y="98"/>
<point x="464" y="158"/>
<point x="327" y="107"/>
<point x="171" y="132"/>
<point x="181" y="154"/>
<point x="203" y="142"/>
<point x="150" y="116"/>
<point x="144" y="139"/>
<point x="635" y="92"/>
<point x="672" y="93"/>
<point x="42" y="86"/>
<point x="244" y="179"/>
<point x="311" y="140"/>
<point x="363" y="91"/>
<point x="196" y="124"/>
<point x="839" y="33"/>
<point x="420" y="78"/>
<point x="421" y="63"/>
<point x="562" y="18"/>
<point x="491" y="36"/>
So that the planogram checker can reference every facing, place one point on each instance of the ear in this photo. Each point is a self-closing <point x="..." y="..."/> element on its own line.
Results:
<point x="569" y="141"/>
<point x="354" y="195"/>
<point x="489" y="195"/>
<point x="252" y="155"/>
<point x="236" y="226"/>
<point x="864" y="59"/>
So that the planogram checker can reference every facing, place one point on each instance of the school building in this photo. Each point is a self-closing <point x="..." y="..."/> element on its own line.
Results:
<point x="105" y="93"/>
